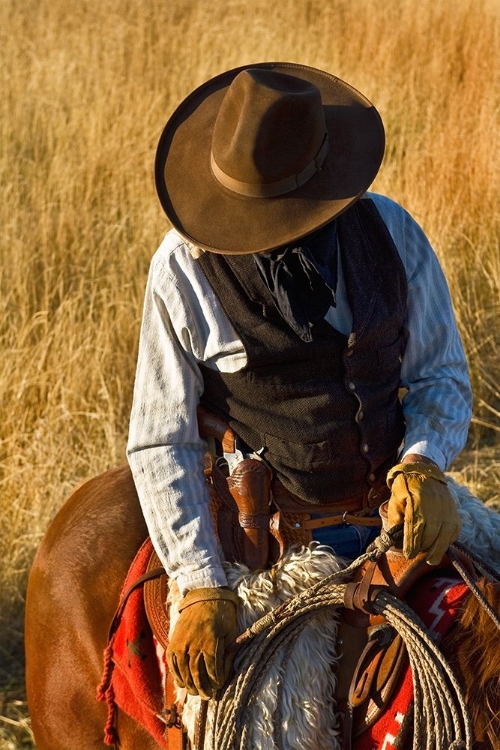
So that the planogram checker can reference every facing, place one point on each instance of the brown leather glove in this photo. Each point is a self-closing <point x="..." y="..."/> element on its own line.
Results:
<point x="420" y="497"/>
<point x="196" y="653"/>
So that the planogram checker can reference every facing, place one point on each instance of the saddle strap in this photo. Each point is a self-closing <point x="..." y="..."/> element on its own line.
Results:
<point x="373" y="682"/>
<point x="153" y="573"/>
<point x="155" y="598"/>
<point x="394" y="573"/>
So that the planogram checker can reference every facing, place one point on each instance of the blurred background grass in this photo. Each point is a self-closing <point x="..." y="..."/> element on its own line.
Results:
<point x="86" y="89"/>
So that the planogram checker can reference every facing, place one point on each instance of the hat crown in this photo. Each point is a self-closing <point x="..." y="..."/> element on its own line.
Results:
<point x="270" y="127"/>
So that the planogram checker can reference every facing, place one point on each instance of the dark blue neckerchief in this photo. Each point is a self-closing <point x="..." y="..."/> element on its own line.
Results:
<point x="302" y="278"/>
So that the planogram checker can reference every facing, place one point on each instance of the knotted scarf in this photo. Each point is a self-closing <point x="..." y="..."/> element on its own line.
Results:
<point x="302" y="279"/>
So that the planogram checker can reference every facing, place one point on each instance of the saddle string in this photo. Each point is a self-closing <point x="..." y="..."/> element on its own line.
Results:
<point x="460" y="568"/>
<point x="483" y="567"/>
<point x="438" y="700"/>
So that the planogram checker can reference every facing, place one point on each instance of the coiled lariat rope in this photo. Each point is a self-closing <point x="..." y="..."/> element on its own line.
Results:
<point x="441" y="719"/>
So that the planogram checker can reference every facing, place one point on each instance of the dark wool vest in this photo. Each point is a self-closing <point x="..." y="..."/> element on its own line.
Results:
<point x="326" y="412"/>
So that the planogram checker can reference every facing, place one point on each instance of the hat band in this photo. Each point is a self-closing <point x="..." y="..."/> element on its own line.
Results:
<point x="270" y="189"/>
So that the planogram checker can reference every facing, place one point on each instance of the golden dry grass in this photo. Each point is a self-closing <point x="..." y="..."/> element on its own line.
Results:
<point x="85" y="91"/>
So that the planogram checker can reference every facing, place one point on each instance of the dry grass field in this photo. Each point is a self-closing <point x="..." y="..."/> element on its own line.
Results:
<point x="85" y="91"/>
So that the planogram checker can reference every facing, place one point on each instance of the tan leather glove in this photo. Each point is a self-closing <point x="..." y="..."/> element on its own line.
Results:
<point x="196" y="653"/>
<point x="421" y="499"/>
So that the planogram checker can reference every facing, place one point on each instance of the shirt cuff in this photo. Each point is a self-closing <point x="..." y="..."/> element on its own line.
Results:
<point x="424" y="448"/>
<point x="202" y="579"/>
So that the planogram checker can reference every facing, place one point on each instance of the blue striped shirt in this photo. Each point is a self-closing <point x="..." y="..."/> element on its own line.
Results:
<point x="183" y="324"/>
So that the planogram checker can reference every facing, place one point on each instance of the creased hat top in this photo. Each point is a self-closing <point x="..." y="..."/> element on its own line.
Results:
<point x="270" y="134"/>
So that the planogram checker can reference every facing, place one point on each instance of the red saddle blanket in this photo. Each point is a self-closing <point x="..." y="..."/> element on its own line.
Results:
<point x="133" y="678"/>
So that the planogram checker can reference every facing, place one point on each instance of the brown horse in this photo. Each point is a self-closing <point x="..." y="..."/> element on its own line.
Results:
<point x="73" y="592"/>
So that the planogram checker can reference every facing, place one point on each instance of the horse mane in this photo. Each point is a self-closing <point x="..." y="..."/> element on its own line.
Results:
<point x="472" y="646"/>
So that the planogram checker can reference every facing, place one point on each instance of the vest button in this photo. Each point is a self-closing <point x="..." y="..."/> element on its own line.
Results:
<point x="351" y="385"/>
<point x="365" y="447"/>
<point x="359" y="416"/>
<point x="372" y="477"/>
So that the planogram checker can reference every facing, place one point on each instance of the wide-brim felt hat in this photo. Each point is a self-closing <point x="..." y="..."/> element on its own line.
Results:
<point x="264" y="154"/>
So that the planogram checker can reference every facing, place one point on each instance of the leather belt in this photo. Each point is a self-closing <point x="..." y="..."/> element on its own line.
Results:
<point x="288" y="502"/>
<point x="348" y="518"/>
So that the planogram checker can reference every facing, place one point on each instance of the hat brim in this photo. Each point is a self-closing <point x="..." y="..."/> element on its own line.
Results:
<point x="222" y="221"/>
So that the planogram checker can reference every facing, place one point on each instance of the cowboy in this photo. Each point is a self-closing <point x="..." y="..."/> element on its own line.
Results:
<point x="298" y="307"/>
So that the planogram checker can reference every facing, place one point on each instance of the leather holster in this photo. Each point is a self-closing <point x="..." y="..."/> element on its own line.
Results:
<point x="241" y="510"/>
<point x="256" y="518"/>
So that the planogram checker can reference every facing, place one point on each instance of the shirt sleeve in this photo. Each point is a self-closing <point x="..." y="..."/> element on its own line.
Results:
<point x="437" y="405"/>
<point x="164" y="450"/>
